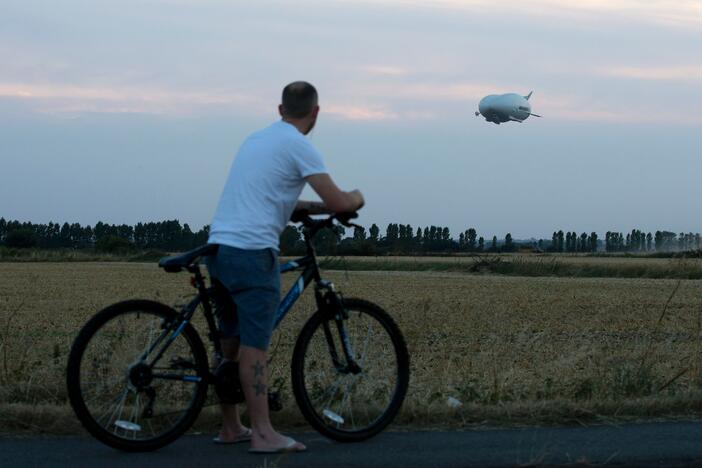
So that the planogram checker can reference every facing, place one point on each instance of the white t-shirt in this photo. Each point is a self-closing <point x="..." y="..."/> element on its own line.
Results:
<point x="264" y="184"/>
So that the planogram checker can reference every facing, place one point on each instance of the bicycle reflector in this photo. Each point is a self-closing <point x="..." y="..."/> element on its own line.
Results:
<point x="128" y="426"/>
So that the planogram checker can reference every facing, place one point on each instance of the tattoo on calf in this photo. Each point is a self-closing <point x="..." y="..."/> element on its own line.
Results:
<point x="260" y="388"/>
<point x="258" y="369"/>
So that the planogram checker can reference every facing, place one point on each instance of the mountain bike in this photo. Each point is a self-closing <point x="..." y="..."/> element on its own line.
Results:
<point x="138" y="372"/>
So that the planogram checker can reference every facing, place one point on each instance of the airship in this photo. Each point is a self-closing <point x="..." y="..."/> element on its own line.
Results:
<point x="510" y="107"/>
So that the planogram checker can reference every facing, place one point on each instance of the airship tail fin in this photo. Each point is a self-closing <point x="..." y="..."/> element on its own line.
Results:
<point x="528" y="95"/>
<point x="535" y="115"/>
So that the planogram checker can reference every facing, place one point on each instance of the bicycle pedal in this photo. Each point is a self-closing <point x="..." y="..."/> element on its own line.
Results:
<point x="227" y="384"/>
<point x="274" y="401"/>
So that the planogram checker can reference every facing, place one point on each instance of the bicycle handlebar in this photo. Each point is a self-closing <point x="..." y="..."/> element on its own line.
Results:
<point x="314" y="225"/>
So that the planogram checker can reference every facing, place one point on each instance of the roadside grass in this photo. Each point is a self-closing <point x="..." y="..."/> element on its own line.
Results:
<point x="511" y="350"/>
<point x="73" y="255"/>
<point x="524" y="265"/>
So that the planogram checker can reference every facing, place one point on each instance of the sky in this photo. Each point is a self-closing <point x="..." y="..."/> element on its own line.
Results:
<point x="133" y="111"/>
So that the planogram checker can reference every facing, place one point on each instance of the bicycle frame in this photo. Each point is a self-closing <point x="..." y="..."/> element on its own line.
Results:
<point x="328" y="301"/>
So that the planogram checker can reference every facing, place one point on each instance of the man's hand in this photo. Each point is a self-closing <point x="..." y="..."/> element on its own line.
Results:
<point x="335" y="200"/>
<point x="358" y="198"/>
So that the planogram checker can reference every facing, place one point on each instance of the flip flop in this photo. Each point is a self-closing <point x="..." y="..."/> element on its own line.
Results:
<point x="288" y="448"/>
<point x="245" y="437"/>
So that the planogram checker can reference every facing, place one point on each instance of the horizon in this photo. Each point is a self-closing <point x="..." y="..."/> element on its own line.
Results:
<point x="349" y="232"/>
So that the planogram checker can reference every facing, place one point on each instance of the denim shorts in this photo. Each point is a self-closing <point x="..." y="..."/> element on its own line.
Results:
<point x="251" y="278"/>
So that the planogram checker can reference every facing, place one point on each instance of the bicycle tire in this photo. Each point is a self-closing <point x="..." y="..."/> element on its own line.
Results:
<point x="302" y="352"/>
<point x="87" y="337"/>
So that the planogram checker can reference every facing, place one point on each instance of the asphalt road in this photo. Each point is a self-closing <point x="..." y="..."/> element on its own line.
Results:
<point x="650" y="444"/>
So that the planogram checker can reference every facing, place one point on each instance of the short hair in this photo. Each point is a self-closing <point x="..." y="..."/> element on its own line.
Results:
<point x="299" y="98"/>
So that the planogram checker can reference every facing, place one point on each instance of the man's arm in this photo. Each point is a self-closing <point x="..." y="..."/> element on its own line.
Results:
<point x="334" y="200"/>
<point x="313" y="207"/>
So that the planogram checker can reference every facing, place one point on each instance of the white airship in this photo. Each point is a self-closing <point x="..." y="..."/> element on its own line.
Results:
<point x="505" y="108"/>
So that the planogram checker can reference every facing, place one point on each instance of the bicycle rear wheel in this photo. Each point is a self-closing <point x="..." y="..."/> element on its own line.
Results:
<point x="341" y="405"/>
<point x="123" y="393"/>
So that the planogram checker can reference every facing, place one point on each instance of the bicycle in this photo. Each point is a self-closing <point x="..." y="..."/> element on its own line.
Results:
<point x="138" y="371"/>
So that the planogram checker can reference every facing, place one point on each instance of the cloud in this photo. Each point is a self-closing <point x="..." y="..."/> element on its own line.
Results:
<point x="384" y="70"/>
<point x="359" y="113"/>
<point x="674" y="13"/>
<point x="655" y="73"/>
<point x="430" y="91"/>
<point x="58" y="98"/>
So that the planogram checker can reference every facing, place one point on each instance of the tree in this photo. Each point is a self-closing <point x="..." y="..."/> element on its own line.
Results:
<point x="509" y="246"/>
<point x="560" y="242"/>
<point x="327" y="240"/>
<point x="593" y="242"/>
<point x="21" y="238"/>
<point x="658" y="241"/>
<point x="402" y="232"/>
<point x="392" y="234"/>
<point x="359" y="233"/>
<point x="493" y="247"/>
<point x="374" y="233"/>
<point x="289" y="240"/>
<point x="481" y="244"/>
<point x="554" y="242"/>
<point x="113" y="244"/>
<point x="471" y="235"/>
<point x="445" y="234"/>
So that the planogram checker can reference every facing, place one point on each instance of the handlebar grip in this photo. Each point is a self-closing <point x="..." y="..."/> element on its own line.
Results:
<point x="345" y="217"/>
<point x="299" y="216"/>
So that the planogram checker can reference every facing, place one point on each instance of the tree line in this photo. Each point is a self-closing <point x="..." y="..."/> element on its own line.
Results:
<point x="164" y="235"/>
<point x="397" y="239"/>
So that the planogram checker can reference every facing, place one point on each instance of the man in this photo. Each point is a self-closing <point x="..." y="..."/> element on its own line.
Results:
<point x="261" y="192"/>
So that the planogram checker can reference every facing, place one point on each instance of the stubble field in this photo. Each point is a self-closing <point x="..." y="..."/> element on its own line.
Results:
<point x="512" y="350"/>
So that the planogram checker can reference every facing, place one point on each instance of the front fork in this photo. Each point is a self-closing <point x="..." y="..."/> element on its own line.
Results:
<point x="331" y="305"/>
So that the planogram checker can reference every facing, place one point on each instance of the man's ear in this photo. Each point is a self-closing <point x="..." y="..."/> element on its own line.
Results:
<point x="281" y="110"/>
<point x="315" y="111"/>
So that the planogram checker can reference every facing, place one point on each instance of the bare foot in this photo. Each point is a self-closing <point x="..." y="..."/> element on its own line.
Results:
<point x="275" y="442"/>
<point x="228" y="435"/>
<point x="290" y="446"/>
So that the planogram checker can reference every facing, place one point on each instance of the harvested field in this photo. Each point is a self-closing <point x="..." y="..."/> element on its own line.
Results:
<point x="513" y="350"/>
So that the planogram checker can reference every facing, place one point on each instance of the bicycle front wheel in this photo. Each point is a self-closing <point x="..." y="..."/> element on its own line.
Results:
<point x="343" y="405"/>
<point x="136" y="378"/>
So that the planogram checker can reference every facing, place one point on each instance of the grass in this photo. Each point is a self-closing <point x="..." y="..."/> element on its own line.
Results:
<point x="512" y="350"/>
<point x="529" y="265"/>
<point x="13" y="255"/>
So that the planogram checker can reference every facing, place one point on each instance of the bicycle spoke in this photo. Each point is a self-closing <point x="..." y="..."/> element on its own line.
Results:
<point x="119" y="408"/>
<point x="117" y="387"/>
<point x="344" y="405"/>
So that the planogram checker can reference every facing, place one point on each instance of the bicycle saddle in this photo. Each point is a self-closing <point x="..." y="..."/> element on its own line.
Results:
<point x="176" y="263"/>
